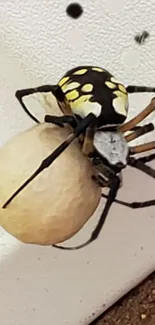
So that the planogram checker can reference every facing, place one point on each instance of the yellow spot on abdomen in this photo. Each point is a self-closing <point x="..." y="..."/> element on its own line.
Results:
<point x="119" y="93"/>
<point x="115" y="80"/>
<point x="72" y="95"/>
<point x="79" y="102"/>
<point x="87" y="88"/>
<point x="110" y="85"/>
<point x="122" y="88"/>
<point x="98" y="69"/>
<point x="83" y="106"/>
<point x="70" y="86"/>
<point x="120" y="103"/>
<point x="63" y="81"/>
<point x="79" y="72"/>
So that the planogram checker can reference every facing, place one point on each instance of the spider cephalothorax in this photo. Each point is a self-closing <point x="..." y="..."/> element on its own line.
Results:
<point x="95" y="105"/>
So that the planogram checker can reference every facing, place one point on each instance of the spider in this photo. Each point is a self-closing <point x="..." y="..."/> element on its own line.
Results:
<point x="95" y="104"/>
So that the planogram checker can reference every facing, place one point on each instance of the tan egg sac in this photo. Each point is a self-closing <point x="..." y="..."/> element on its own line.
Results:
<point x="58" y="202"/>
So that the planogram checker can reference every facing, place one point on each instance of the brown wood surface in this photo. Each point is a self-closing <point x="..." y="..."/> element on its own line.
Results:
<point x="136" y="308"/>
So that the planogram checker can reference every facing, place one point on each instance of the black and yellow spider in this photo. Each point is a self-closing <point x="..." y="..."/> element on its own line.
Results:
<point x="95" y="105"/>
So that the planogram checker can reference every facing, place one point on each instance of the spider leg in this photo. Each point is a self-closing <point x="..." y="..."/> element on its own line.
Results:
<point x="61" y="120"/>
<point x="137" y="119"/>
<point x="98" y="179"/>
<point x="114" y="187"/>
<point x="142" y="148"/>
<point x="55" y="89"/>
<point x="55" y="154"/>
<point x="135" y="128"/>
<point x="103" y="169"/>
<point x="88" y="146"/>
<point x="147" y="158"/>
<point x="71" y="121"/>
<point x="139" y="164"/>
<point x="139" y="132"/>
<point x="133" y="205"/>
<point x="139" y="89"/>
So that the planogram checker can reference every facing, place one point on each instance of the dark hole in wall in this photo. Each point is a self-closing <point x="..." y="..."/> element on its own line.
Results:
<point x="74" y="10"/>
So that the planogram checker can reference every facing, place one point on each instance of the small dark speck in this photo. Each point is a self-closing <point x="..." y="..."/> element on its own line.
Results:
<point x="74" y="10"/>
<point x="140" y="38"/>
<point x="33" y="309"/>
<point x="93" y="314"/>
<point x="80" y="300"/>
<point x="17" y="279"/>
<point x="88" y="262"/>
<point x="142" y="248"/>
<point x="38" y="259"/>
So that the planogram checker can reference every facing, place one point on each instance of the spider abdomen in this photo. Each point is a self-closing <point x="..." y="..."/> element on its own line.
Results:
<point x="94" y="90"/>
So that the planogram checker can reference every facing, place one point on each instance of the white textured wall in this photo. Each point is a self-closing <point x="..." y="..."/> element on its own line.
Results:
<point x="38" y="43"/>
